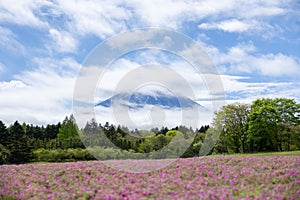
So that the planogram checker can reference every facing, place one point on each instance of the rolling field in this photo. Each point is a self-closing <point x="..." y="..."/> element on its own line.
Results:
<point x="213" y="177"/>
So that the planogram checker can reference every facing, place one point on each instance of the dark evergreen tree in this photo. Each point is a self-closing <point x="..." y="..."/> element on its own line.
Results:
<point x="68" y="135"/>
<point x="18" y="144"/>
<point x="164" y="130"/>
<point x="4" y="151"/>
<point x="51" y="131"/>
<point x="4" y="155"/>
<point x="3" y="134"/>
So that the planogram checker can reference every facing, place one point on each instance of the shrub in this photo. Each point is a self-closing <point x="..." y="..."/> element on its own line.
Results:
<point x="62" y="155"/>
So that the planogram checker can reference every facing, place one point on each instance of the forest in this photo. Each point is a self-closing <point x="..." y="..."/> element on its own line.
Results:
<point x="267" y="125"/>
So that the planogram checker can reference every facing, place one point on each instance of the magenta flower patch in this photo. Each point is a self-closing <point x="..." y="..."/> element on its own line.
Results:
<point x="220" y="177"/>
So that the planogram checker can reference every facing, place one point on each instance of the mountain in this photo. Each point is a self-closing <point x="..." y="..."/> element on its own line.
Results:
<point x="157" y="98"/>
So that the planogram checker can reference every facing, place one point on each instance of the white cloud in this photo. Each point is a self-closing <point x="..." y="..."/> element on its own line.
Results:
<point x="244" y="90"/>
<point x="150" y="116"/>
<point x="154" y="13"/>
<point x="246" y="26"/>
<point x="8" y="41"/>
<point x="41" y="96"/>
<point x="242" y="85"/>
<point x="179" y="11"/>
<point x="4" y="85"/>
<point x="233" y="25"/>
<point x="175" y="75"/>
<point x="66" y="66"/>
<point x="277" y="65"/>
<point x="21" y="12"/>
<point x="105" y="18"/>
<point x="246" y="10"/>
<point x="63" y="41"/>
<point x="245" y="58"/>
<point x="102" y="18"/>
<point x="138" y="37"/>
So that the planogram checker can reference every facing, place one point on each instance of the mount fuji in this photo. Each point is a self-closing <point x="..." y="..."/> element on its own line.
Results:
<point x="138" y="100"/>
<point x="145" y="109"/>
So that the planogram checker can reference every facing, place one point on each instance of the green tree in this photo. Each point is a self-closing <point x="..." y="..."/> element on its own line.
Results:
<point x="146" y="146"/>
<point x="272" y="124"/>
<point x="172" y="133"/>
<point x="194" y="148"/>
<point x="263" y="126"/>
<point x="51" y="131"/>
<point x="90" y="133"/>
<point x="233" y="121"/>
<point x="159" y="141"/>
<point x="4" y="151"/>
<point x="288" y="110"/>
<point x="68" y="135"/>
<point x="3" y="134"/>
<point x="18" y="144"/>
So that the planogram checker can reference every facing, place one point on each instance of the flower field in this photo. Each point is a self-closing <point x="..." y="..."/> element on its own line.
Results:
<point x="214" y="177"/>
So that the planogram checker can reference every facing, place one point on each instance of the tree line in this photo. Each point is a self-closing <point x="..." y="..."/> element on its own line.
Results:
<point x="265" y="125"/>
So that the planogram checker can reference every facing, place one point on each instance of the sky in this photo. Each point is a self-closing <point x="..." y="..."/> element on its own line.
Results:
<point x="254" y="46"/>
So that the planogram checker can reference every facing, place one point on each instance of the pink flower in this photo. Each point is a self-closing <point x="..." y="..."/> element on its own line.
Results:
<point x="22" y="196"/>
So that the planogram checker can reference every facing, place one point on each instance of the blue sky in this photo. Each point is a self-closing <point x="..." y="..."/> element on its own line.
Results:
<point x="254" y="46"/>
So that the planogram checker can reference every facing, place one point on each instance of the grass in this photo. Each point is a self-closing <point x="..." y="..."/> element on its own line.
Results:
<point x="285" y="153"/>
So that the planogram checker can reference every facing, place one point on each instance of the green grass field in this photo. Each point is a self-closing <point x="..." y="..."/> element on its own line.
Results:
<point x="285" y="153"/>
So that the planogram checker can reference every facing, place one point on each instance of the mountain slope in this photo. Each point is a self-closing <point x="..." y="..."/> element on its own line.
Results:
<point x="139" y="100"/>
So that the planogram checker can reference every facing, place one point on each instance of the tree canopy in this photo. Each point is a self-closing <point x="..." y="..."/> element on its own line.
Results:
<point x="266" y="125"/>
